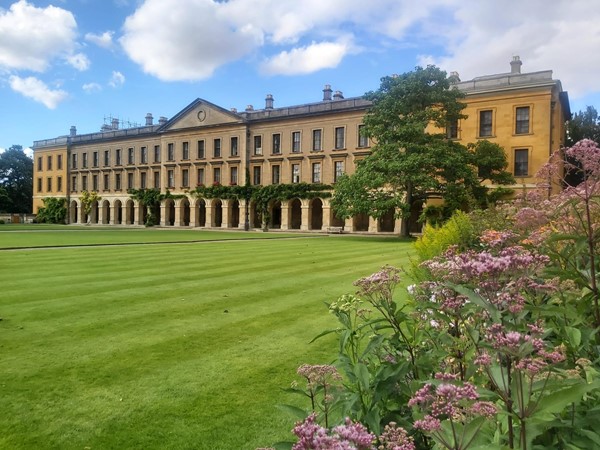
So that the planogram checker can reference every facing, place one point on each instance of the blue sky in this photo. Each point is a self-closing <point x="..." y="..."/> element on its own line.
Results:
<point x="79" y="62"/>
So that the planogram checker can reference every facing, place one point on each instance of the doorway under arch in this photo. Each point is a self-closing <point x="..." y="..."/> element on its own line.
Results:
<point x="234" y="213"/>
<point x="295" y="214"/>
<point x="184" y="209"/>
<point x="316" y="214"/>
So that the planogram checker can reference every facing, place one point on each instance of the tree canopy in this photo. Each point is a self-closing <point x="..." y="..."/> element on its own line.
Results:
<point x="412" y="158"/>
<point x="584" y="125"/>
<point x="16" y="181"/>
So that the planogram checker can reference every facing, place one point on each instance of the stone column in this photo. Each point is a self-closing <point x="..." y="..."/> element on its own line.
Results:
<point x="285" y="215"/>
<point x="398" y="225"/>
<point x="373" y="225"/>
<point x="225" y="213"/>
<point x="163" y="214"/>
<point x="326" y="216"/>
<point x="210" y="220"/>
<point x="305" y="216"/>
<point x="177" y="221"/>
<point x="349" y="224"/>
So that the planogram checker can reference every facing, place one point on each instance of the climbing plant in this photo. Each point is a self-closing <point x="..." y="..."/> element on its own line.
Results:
<point x="151" y="199"/>
<point x="88" y="198"/>
<point x="264" y="195"/>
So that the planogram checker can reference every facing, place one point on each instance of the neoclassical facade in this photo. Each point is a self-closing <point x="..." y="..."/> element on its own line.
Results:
<point x="205" y="144"/>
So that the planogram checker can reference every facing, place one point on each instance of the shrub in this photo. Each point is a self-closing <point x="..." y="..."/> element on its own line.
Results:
<point x="435" y="240"/>
<point x="54" y="210"/>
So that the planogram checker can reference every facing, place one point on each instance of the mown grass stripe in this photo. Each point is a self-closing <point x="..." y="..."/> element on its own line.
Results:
<point x="131" y="347"/>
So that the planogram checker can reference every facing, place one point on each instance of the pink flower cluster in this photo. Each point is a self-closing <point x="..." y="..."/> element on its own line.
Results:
<point x="350" y="436"/>
<point x="472" y="267"/>
<point x="319" y="374"/>
<point x="395" y="438"/>
<point x="528" y="350"/>
<point x="494" y="239"/>
<point x="448" y="401"/>
<point x="379" y="284"/>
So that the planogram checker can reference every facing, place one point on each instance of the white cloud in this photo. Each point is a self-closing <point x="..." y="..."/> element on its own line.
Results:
<point x="37" y="90"/>
<point x="31" y="37"/>
<point x="563" y="38"/>
<point x="79" y="61"/>
<point x="90" y="88"/>
<point x="117" y="79"/>
<point x="188" y="40"/>
<point x="104" y="40"/>
<point x="307" y="59"/>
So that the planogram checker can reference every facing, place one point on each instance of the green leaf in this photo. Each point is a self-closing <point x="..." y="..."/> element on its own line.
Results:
<point x="324" y="333"/>
<point x="556" y="401"/>
<point x="574" y="335"/>
<point x="293" y="411"/>
<point x="476" y="299"/>
<point x="362" y="375"/>
<point x="283" y="445"/>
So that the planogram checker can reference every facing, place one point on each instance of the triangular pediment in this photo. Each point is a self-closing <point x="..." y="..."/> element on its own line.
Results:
<point x="201" y="113"/>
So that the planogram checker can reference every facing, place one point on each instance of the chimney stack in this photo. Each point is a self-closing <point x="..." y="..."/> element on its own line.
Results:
<point x="149" y="119"/>
<point x="234" y="110"/>
<point x="162" y="120"/>
<point x="515" y="65"/>
<point x="327" y="93"/>
<point x="269" y="102"/>
<point x="249" y="108"/>
<point x="73" y="131"/>
<point x="115" y="124"/>
<point x="338" y="95"/>
<point x="454" y="77"/>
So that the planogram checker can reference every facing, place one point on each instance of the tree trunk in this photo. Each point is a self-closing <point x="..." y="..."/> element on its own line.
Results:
<point x="405" y="227"/>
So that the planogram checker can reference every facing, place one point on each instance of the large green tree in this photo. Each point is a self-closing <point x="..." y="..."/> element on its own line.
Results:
<point x="16" y="179"/>
<point x="412" y="158"/>
<point x="584" y="125"/>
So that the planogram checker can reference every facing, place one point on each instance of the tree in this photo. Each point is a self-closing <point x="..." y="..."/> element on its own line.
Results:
<point x="16" y="179"/>
<point x="53" y="211"/>
<point x="584" y="125"/>
<point x="87" y="202"/>
<point x="412" y="159"/>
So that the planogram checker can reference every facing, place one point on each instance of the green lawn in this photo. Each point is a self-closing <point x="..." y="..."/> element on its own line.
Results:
<point x="166" y="346"/>
<point x="41" y="235"/>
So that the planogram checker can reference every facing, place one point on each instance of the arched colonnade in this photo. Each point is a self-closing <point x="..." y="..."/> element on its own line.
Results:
<point x="296" y="214"/>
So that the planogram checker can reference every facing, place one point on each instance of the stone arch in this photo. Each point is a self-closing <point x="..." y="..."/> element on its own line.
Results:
<point x="105" y="212"/>
<point x="169" y="212"/>
<point x="315" y="212"/>
<point x="387" y="221"/>
<point x="234" y="213"/>
<point x="73" y="212"/>
<point x="295" y="212"/>
<point x="118" y="212"/>
<point x="360" y="222"/>
<point x="275" y="213"/>
<point x="184" y="211"/>
<point x="129" y="212"/>
<point x="217" y="213"/>
<point x="200" y="213"/>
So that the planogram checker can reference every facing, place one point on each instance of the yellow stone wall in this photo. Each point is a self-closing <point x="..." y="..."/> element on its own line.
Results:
<point x="49" y="182"/>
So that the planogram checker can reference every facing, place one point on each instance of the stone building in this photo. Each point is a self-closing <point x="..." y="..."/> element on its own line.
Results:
<point x="205" y="144"/>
